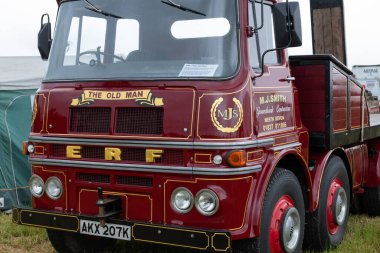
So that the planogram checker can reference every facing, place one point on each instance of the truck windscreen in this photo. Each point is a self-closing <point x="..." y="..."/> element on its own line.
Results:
<point x="145" y="39"/>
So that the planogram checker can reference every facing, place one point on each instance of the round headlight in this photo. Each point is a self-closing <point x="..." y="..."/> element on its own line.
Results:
<point x="207" y="202"/>
<point x="36" y="186"/>
<point x="182" y="200"/>
<point x="53" y="187"/>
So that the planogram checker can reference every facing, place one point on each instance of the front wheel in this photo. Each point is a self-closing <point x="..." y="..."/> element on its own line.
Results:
<point x="67" y="242"/>
<point x="327" y="225"/>
<point x="282" y="219"/>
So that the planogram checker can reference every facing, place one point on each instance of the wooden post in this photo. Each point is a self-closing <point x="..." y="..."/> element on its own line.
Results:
<point x="327" y="23"/>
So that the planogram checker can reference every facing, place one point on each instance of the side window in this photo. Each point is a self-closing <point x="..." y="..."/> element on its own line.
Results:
<point x="127" y="37"/>
<point x="264" y="39"/>
<point x="72" y="43"/>
<point x="81" y="30"/>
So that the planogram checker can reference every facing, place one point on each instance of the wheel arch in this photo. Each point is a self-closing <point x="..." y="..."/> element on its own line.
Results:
<point x="296" y="165"/>
<point x="292" y="161"/>
<point x="320" y="170"/>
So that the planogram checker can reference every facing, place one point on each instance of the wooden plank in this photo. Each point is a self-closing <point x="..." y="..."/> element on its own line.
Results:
<point x="337" y="33"/>
<point x="328" y="28"/>
<point x="327" y="31"/>
<point x="318" y="32"/>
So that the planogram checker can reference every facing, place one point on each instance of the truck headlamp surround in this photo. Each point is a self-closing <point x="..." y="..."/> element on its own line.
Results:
<point x="207" y="202"/>
<point x="182" y="200"/>
<point x="54" y="188"/>
<point x="36" y="186"/>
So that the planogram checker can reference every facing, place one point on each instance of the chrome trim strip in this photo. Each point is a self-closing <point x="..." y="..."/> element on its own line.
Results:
<point x="147" y="168"/>
<point x="156" y="144"/>
<point x="291" y="145"/>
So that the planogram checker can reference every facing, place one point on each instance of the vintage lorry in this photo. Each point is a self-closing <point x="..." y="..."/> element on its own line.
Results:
<point x="185" y="123"/>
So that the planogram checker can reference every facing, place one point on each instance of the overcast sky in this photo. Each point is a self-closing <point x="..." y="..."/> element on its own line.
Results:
<point x="20" y="23"/>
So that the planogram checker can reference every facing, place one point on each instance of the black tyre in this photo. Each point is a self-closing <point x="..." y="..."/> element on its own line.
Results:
<point x="326" y="226"/>
<point x="371" y="201"/>
<point x="282" y="219"/>
<point x="66" y="242"/>
<point x="57" y="240"/>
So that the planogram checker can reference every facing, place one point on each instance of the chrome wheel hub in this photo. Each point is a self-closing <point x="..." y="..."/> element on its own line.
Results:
<point x="291" y="230"/>
<point x="341" y="207"/>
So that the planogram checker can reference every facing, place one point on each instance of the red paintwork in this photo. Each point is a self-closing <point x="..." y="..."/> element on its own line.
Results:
<point x="340" y="113"/>
<point x="334" y="186"/>
<point x="187" y="105"/>
<point x="282" y="205"/>
<point x="310" y="83"/>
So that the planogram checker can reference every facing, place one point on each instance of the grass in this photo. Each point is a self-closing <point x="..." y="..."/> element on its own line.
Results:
<point x="363" y="235"/>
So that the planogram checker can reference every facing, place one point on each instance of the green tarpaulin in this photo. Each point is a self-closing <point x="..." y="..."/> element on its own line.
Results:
<point x="19" y="79"/>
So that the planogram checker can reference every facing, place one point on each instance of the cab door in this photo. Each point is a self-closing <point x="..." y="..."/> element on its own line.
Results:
<point x="272" y="88"/>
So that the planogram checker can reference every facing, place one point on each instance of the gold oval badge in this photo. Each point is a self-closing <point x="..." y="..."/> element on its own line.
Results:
<point x="227" y="116"/>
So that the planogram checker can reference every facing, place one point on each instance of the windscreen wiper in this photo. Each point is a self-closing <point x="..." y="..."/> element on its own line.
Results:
<point x="181" y="7"/>
<point x="96" y="9"/>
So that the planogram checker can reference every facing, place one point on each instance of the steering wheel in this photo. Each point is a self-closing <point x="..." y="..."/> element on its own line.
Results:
<point x="97" y="53"/>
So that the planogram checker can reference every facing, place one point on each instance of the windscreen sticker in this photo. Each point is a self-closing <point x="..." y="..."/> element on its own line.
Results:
<point x="141" y="97"/>
<point x="227" y="119"/>
<point x="198" y="70"/>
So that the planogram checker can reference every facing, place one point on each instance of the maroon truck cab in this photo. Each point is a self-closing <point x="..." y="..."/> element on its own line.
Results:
<point x="184" y="123"/>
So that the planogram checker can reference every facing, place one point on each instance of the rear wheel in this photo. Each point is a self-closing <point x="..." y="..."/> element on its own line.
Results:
<point x="327" y="225"/>
<point x="282" y="219"/>
<point x="66" y="242"/>
<point x="371" y="201"/>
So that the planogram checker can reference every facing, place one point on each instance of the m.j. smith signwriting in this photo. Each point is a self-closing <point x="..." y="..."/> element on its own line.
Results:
<point x="271" y="111"/>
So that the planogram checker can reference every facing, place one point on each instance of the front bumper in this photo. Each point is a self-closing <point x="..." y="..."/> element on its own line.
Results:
<point x="206" y="240"/>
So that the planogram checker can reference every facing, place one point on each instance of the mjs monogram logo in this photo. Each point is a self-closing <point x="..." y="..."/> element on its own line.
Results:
<point x="227" y="120"/>
<point x="228" y="114"/>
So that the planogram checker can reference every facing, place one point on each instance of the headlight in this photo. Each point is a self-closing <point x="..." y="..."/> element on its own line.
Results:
<point x="182" y="200"/>
<point x="206" y="202"/>
<point x="53" y="187"/>
<point x="36" y="186"/>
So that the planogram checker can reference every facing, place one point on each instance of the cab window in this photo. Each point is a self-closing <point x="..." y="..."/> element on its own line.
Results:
<point x="264" y="39"/>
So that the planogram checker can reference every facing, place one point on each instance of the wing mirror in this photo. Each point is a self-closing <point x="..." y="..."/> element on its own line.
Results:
<point x="44" y="38"/>
<point x="287" y="21"/>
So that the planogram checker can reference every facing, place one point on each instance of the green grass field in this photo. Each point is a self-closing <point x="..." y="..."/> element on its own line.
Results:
<point x="363" y="236"/>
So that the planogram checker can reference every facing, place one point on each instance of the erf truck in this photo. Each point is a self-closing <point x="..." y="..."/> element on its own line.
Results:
<point x="185" y="123"/>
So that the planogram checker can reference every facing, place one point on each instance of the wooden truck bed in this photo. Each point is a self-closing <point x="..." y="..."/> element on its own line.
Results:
<point x="331" y="102"/>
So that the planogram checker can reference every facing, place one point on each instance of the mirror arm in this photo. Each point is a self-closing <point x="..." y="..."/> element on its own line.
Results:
<point x="262" y="17"/>
<point x="289" y="24"/>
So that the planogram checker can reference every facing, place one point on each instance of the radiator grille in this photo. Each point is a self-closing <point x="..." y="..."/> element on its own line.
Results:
<point x="90" y="120"/>
<point x="139" y="120"/>
<point x="169" y="157"/>
<point x="58" y="151"/>
<point x="93" y="178"/>
<point x="135" y="181"/>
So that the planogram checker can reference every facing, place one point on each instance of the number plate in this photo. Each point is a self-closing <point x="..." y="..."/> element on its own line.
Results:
<point x="115" y="231"/>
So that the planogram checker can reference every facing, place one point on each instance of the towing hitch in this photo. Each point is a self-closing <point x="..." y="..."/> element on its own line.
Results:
<point x="109" y="207"/>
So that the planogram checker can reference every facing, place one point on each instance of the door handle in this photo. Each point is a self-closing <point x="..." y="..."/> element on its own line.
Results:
<point x="288" y="79"/>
